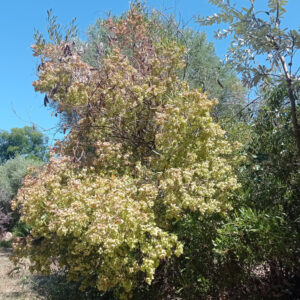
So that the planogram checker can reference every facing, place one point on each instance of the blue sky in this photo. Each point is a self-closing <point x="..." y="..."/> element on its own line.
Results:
<point x="19" y="104"/>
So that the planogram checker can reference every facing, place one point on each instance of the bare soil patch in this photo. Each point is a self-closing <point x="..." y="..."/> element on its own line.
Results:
<point x="19" y="284"/>
<point x="15" y="283"/>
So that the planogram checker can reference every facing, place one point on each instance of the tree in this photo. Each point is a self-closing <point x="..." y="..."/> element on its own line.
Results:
<point x="143" y="155"/>
<point x="258" y="38"/>
<point x="203" y="69"/>
<point x="12" y="174"/>
<point x="267" y="209"/>
<point x="26" y="141"/>
<point x="264" y="228"/>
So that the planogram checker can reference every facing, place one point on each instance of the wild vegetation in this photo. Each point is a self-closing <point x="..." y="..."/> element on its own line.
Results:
<point x="168" y="183"/>
<point x="19" y="149"/>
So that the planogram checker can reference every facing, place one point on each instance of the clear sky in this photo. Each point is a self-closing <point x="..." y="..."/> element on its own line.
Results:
<point x="19" y="104"/>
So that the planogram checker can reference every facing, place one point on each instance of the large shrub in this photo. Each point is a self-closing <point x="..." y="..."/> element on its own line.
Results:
<point x="143" y="154"/>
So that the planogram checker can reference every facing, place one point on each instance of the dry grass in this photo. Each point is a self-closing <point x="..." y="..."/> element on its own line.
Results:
<point x="15" y="283"/>
<point x="19" y="284"/>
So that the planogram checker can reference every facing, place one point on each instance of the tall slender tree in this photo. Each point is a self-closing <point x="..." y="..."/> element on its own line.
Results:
<point x="262" y="50"/>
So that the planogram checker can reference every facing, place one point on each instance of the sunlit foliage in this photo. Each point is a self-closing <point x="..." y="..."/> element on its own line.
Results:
<point x="143" y="153"/>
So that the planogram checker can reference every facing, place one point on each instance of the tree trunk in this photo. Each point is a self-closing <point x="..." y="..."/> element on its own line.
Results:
<point x="292" y="100"/>
<point x="294" y="116"/>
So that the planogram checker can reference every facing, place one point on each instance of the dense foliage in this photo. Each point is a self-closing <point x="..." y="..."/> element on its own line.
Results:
<point x="263" y="232"/>
<point x="263" y="50"/>
<point x="4" y="222"/>
<point x="12" y="174"/>
<point x="203" y="68"/>
<point x="144" y="154"/>
<point x="26" y="141"/>
<point x="20" y="149"/>
<point x="147" y="196"/>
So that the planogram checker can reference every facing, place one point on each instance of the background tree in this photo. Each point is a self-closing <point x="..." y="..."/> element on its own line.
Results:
<point x="20" y="149"/>
<point x="267" y="210"/>
<point x="204" y="69"/>
<point x="264" y="228"/>
<point x="26" y="141"/>
<point x="261" y="50"/>
<point x="12" y="174"/>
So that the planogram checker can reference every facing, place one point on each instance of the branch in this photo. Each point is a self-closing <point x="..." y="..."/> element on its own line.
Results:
<point x="240" y="111"/>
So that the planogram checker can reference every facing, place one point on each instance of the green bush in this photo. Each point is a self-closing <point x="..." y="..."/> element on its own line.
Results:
<point x="253" y="237"/>
<point x="12" y="174"/>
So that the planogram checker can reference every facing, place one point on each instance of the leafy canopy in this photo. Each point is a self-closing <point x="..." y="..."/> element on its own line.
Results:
<point x="12" y="174"/>
<point x="143" y="153"/>
<point x="261" y="50"/>
<point x="26" y="141"/>
<point x="203" y="68"/>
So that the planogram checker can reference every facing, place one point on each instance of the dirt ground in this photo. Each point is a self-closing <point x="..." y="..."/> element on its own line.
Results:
<point x="15" y="283"/>
<point x="20" y="284"/>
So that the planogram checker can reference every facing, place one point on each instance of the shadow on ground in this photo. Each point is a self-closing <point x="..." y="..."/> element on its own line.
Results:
<point x="56" y="287"/>
<point x="18" y="283"/>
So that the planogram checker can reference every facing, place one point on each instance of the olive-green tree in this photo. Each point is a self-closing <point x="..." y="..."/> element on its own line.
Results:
<point x="261" y="49"/>
<point x="26" y="141"/>
<point x="203" y="69"/>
